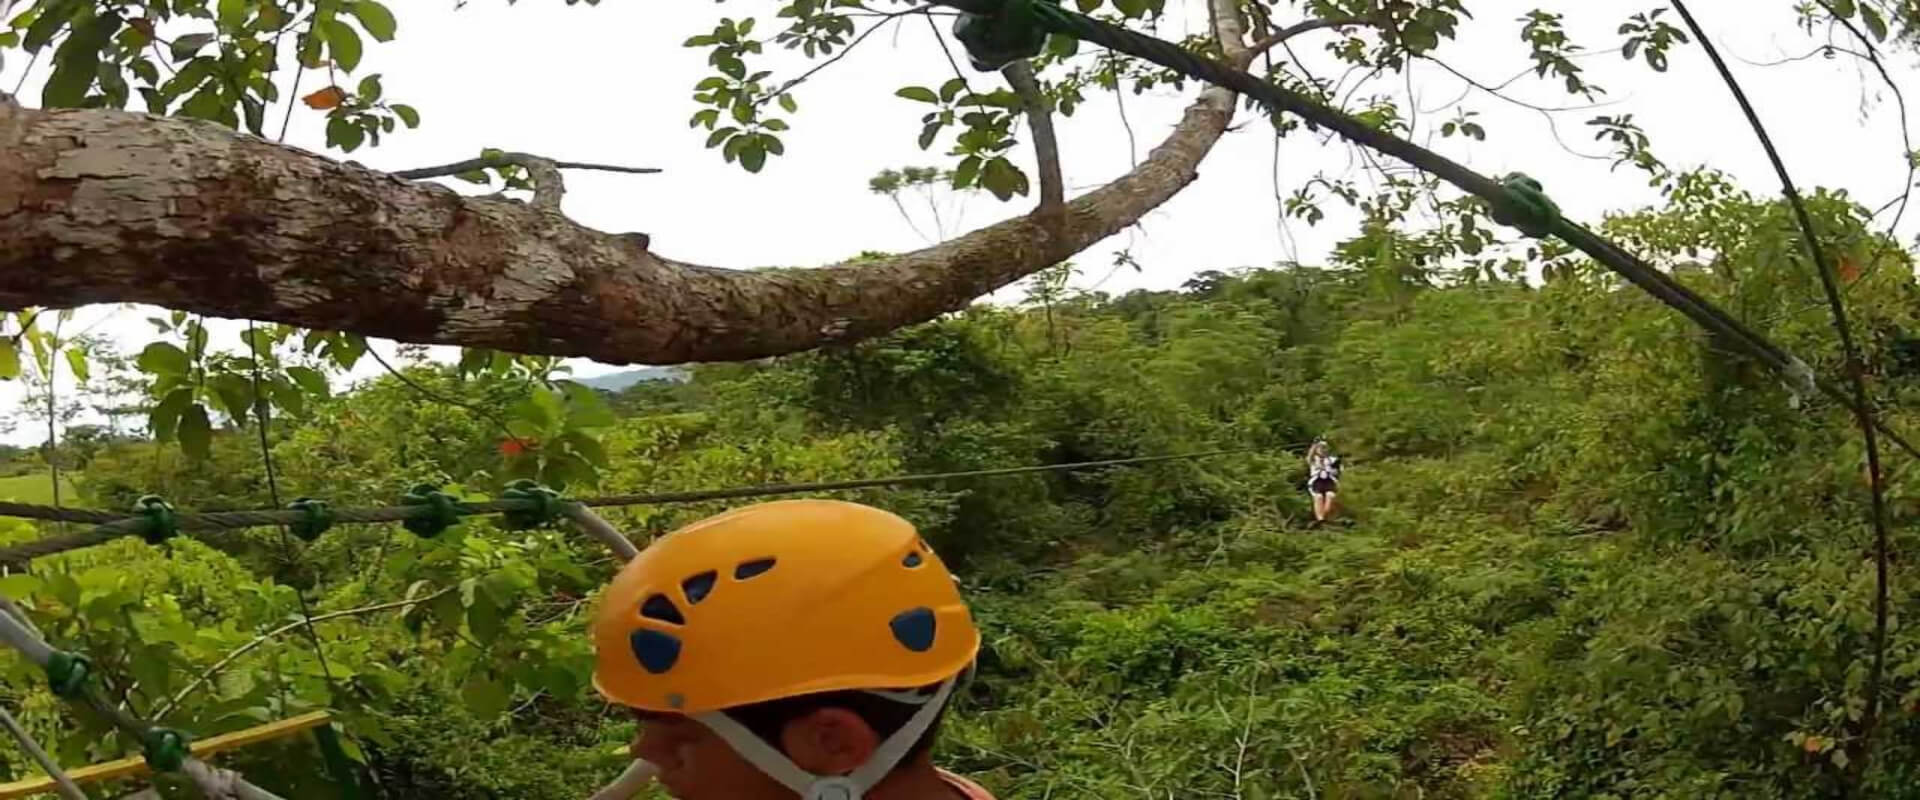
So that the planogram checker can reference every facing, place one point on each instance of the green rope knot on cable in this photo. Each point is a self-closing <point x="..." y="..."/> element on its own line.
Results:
<point x="160" y="522"/>
<point x="165" y="749"/>
<point x="1526" y="207"/>
<point x="67" y="674"/>
<point x="1013" y="33"/>
<point x="546" y="505"/>
<point x="315" y="518"/>
<point x="443" y="510"/>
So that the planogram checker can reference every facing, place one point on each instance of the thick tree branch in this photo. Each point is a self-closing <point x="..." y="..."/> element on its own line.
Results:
<point x="1046" y="147"/>
<point x="101" y="206"/>
<point x="1279" y="37"/>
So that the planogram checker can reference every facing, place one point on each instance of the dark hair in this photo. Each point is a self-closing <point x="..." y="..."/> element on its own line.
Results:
<point x="886" y="717"/>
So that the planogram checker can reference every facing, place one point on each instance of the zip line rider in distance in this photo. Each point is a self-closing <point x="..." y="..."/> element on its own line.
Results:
<point x="1323" y="479"/>
<point x="796" y="648"/>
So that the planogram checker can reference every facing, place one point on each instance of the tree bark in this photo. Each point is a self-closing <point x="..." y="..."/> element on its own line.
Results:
<point x="105" y="206"/>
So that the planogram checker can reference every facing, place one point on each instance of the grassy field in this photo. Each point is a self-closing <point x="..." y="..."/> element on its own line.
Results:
<point x="37" y="488"/>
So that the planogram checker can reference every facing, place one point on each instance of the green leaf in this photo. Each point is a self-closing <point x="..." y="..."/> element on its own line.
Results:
<point x="968" y="171"/>
<point x="920" y="93"/>
<point x="787" y="102"/>
<point x="235" y="392"/>
<point x="1420" y="40"/>
<point x="559" y="681"/>
<point x="205" y="104"/>
<point x="545" y="408"/>
<point x="196" y="432"/>
<point x="485" y="619"/>
<point x="256" y="113"/>
<point x="185" y="47"/>
<point x="720" y="135"/>
<point x="586" y="409"/>
<point x="77" y="62"/>
<point x="9" y="359"/>
<point x="77" y="361"/>
<point x="53" y="18"/>
<point x="375" y="18"/>
<point x="588" y="448"/>
<point x="407" y="114"/>
<point x="232" y="14"/>
<point x="342" y="133"/>
<point x="309" y="380"/>
<point x="352" y="749"/>
<point x="343" y="44"/>
<point x="1876" y="24"/>
<point x="753" y="156"/>
<point x="161" y="358"/>
<point x="164" y="419"/>
<point x="234" y="684"/>
<point x="150" y="668"/>
<point x="486" y="696"/>
<point x="19" y="586"/>
<point x="1003" y="179"/>
<point x="369" y="89"/>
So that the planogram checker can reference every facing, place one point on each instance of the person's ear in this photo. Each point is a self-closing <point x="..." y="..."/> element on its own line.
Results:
<point x="829" y="741"/>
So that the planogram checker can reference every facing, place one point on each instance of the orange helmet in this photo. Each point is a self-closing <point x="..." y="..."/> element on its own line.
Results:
<point x="776" y="600"/>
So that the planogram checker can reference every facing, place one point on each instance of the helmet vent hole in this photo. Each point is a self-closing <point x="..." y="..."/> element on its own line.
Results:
<point x="655" y="651"/>
<point x="912" y="560"/>
<point x="914" y="629"/>
<point x="660" y="608"/>
<point x="699" y="586"/>
<point x="750" y="569"/>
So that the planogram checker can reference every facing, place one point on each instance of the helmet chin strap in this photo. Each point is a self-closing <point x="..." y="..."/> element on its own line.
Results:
<point x="852" y="786"/>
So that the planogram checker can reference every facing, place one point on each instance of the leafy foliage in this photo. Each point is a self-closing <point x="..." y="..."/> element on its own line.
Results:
<point x="1588" y="556"/>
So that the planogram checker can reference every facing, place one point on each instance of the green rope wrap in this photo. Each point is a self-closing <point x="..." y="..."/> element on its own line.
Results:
<point x="1013" y="33"/>
<point x="546" y="505"/>
<point x="315" y="519"/>
<point x="1526" y="207"/>
<point x="443" y="510"/>
<point x="67" y="674"/>
<point x="161" y="524"/>
<point x="165" y="749"/>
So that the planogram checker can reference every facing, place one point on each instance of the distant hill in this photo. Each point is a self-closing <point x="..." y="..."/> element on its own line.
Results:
<point x="615" y="381"/>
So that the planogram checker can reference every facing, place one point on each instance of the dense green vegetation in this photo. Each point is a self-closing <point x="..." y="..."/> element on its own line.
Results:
<point x="1589" y="554"/>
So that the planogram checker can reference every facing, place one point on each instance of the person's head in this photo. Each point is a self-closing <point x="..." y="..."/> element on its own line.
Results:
<point x="784" y="648"/>
<point x="1319" y="448"/>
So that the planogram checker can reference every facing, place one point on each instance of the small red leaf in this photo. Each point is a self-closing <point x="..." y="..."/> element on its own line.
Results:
<point x="324" y="99"/>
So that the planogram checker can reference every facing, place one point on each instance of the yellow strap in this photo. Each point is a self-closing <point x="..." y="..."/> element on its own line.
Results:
<point x="137" y="766"/>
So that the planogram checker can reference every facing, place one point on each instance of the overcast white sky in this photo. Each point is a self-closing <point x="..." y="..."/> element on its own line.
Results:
<point x="612" y="84"/>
